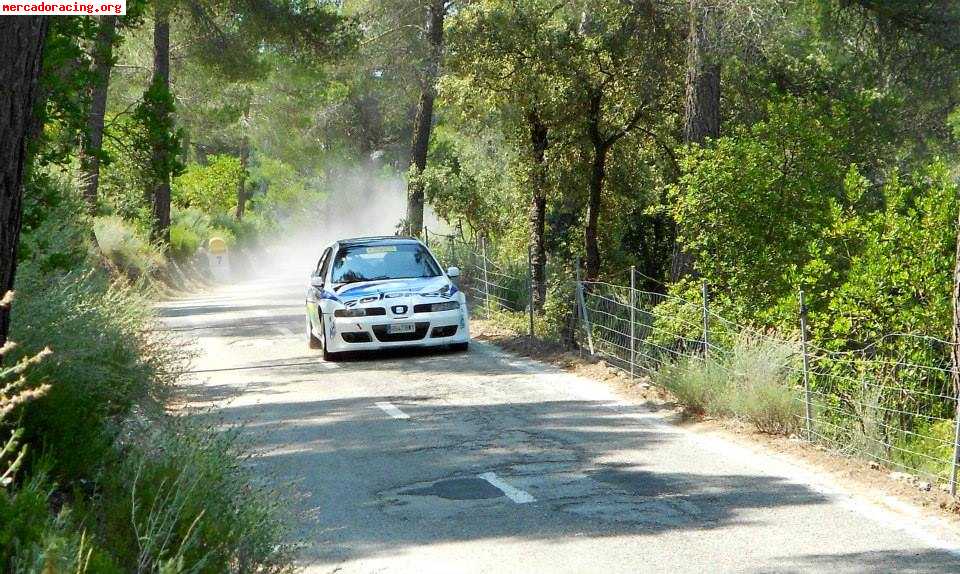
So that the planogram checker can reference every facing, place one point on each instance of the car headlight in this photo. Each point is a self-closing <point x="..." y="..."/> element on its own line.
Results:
<point x="362" y="312"/>
<point x="350" y="313"/>
<point x="445" y="306"/>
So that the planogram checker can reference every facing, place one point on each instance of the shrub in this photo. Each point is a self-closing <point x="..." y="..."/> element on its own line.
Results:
<point x="211" y="188"/>
<point x="184" y="242"/>
<point x="183" y="496"/>
<point x="696" y="385"/>
<point x="245" y="231"/>
<point x="125" y="247"/>
<point x="56" y="234"/>
<point x="34" y="540"/>
<point x="105" y="361"/>
<point x="754" y="382"/>
<point x="762" y="383"/>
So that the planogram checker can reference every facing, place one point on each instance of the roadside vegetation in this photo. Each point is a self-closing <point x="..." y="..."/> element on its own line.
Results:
<point x="762" y="147"/>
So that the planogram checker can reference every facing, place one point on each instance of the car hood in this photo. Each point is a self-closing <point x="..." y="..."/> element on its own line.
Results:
<point x="393" y="286"/>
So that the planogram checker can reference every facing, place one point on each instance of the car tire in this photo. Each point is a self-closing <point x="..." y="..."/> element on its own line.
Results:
<point x="460" y="347"/>
<point x="312" y="341"/>
<point x="327" y="355"/>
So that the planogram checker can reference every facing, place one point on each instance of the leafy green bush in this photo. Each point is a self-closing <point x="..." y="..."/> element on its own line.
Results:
<point x="55" y="235"/>
<point x="211" y="188"/>
<point x="245" y="231"/>
<point x="105" y="361"/>
<point x="182" y="497"/>
<point x="125" y="247"/>
<point x="184" y="242"/>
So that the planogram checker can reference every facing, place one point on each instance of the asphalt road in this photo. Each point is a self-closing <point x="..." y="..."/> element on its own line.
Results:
<point x="482" y="462"/>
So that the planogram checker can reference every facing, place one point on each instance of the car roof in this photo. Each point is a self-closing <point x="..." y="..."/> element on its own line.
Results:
<point x="377" y="240"/>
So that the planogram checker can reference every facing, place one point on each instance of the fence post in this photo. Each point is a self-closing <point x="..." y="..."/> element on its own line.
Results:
<point x="956" y="444"/>
<point x="486" y="278"/>
<point x="426" y="236"/>
<point x="583" y="309"/>
<point x="706" y="321"/>
<point x="807" y="407"/>
<point x="530" y="285"/>
<point x="633" y="304"/>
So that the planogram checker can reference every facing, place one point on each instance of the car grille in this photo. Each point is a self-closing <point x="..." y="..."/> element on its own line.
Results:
<point x="381" y="332"/>
<point x="356" y="337"/>
<point x="372" y="311"/>
<point x="422" y="308"/>
<point x="448" y="331"/>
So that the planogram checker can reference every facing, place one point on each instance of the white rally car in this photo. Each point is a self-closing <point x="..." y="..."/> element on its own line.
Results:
<point x="378" y="292"/>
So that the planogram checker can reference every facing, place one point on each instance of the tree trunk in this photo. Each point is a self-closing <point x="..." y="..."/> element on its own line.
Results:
<point x="21" y="51"/>
<point x="701" y="114"/>
<point x="242" y="186"/>
<point x="598" y="173"/>
<point x="538" y="208"/>
<point x="161" y="74"/>
<point x="424" y="119"/>
<point x="702" y="103"/>
<point x="90" y="153"/>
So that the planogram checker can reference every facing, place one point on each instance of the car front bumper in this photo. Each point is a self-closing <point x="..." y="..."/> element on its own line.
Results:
<point x="371" y="333"/>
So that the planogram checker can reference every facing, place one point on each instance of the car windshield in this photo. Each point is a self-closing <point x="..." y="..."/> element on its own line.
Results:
<point x="380" y="262"/>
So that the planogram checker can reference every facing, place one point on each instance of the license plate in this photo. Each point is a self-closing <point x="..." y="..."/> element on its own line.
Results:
<point x="401" y="328"/>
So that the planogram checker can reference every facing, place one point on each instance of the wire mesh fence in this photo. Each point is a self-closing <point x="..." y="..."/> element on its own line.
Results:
<point x="492" y="285"/>
<point x="892" y="401"/>
<point x="875" y="402"/>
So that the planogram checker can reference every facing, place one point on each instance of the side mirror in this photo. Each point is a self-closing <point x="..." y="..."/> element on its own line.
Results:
<point x="453" y="272"/>
<point x="316" y="281"/>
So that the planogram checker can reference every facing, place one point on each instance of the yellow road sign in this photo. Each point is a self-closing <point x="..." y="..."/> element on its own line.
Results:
<point x="218" y="246"/>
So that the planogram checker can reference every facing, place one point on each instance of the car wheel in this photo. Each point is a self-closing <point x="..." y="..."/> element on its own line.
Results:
<point x="459" y="347"/>
<point x="327" y="355"/>
<point x="312" y="341"/>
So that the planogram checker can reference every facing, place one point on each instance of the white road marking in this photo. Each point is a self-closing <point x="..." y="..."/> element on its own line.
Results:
<point x="392" y="411"/>
<point x="514" y="494"/>
<point x="286" y="331"/>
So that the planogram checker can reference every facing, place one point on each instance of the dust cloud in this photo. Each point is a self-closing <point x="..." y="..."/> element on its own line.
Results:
<point x="360" y="201"/>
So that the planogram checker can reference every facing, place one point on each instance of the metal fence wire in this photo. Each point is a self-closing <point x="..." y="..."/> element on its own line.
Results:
<point x="892" y="402"/>
<point x="491" y="284"/>
<point x="876" y="402"/>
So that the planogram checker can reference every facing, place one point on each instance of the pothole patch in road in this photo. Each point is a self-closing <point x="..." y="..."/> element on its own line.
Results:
<point x="457" y="489"/>
<point x="637" y="483"/>
<point x="665" y="512"/>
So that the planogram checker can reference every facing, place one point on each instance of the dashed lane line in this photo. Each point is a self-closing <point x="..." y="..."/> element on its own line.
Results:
<point x="392" y="411"/>
<point x="514" y="494"/>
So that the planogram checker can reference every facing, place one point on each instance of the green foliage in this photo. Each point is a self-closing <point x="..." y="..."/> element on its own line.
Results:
<point x="462" y="184"/>
<point x="33" y="540"/>
<point x="287" y="197"/>
<point x="756" y="382"/>
<point x="158" y="133"/>
<point x="126" y="247"/>
<point x="211" y="188"/>
<point x="105" y="361"/>
<point x="65" y="76"/>
<point x="897" y="281"/>
<point x="759" y="207"/>
<point x="55" y="238"/>
<point x="184" y="242"/>
<point x="183" y="495"/>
